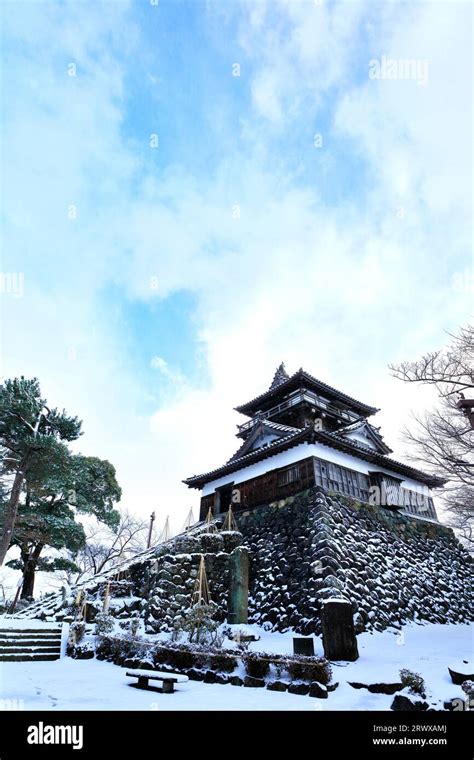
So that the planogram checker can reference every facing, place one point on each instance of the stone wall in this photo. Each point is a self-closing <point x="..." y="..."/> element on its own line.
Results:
<point x="169" y="580"/>
<point x="315" y="546"/>
<point x="308" y="548"/>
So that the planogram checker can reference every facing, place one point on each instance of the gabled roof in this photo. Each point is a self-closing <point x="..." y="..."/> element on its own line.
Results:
<point x="281" y="375"/>
<point x="260" y="428"/>
<point x="369" y="431"/>
<point x="293" y="383"/>
<point x="309" y="435"/>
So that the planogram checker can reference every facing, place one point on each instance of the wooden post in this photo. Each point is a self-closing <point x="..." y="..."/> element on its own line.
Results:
<point x="189" y="522"/>
<point x="230" y="522"/>
<point x="239" y="585"/>
<point x="209" y="521"/>
<point x="339" y="639"/>
<point x="201" y="593"/>
<point x="17" y="595"/>
<point x="152" y="520"/>
<point x="165" y="534"/>
<point x="105" y="607"/>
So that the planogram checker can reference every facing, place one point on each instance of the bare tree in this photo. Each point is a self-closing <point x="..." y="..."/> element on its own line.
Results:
<point x="105" y="547"/>
<point x="443" y="439"/>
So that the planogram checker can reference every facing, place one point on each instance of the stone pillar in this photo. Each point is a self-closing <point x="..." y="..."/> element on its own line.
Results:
<point x="339" y="639"/>
<point x="239" y="585"/>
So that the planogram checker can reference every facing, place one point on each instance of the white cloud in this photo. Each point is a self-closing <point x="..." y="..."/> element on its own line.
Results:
<point x="340" y="290"/>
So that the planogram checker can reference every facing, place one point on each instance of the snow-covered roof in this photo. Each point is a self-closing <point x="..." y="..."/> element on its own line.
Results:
<point x="258" y="430"/>
<point x="309" y="435"/>
<point x="370" y="435"/>
<point x="312" y="382"/>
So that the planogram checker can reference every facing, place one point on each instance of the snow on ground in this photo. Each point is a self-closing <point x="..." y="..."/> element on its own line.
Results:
<point x="93" y="685"/>
<point x="45" y="583"/>
<point x="19" y="623"/>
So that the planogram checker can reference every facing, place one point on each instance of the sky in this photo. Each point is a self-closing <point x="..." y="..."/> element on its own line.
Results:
<point x="196" y="191"/>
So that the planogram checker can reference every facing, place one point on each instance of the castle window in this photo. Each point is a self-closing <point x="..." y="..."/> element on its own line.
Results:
<point x="418" y="504"/>
<point x="333" y="477"/>
<point x="288" y="476"/>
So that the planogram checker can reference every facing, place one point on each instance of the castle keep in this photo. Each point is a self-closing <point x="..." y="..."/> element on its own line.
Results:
<point x="322" y="512"/>
<point x="301" y="433"/>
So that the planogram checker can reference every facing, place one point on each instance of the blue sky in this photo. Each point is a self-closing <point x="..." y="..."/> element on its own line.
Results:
<point x="180" y="230"/>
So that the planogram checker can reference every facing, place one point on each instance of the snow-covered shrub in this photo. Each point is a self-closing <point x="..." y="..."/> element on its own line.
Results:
<point x="309" y="669"/>
<point x="76" y="633"/>
<point x="131" y="626"/>
<point x="178" y="656"/>
<point x="257" y="664"/>
<point x="221" y="662"/>
<point x="82" y="651"/>
<point x="117" y="649"/>
<point x="104" y="623"/>
<point x="177" y="633"/>
<point x="134" y="625"/>
<point x="468" y="688"/>
<point x="413" y="681"/>
<point x="200" y="625"/>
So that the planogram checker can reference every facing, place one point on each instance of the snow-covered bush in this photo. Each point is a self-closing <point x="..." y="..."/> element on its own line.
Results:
<point x="221" y="662"/>
<point x="178" y="656"/>
<point x="257" y="664"/>
<point x="76" y="633"/>
<point x="184" y="656"/>
<point x="413" y="681"/>
<point x="200" y="625"/>
<point x="82" y="651"/>
<point x="120" y="648"/>
<point x="468" y="688"/>
<point x="134" y="625"/>
<point x="309" y="669"/>
<point x="131" y="626"/>
<point x="104" y="623"/>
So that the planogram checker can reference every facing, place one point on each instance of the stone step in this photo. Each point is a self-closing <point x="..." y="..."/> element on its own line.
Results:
<point x="30" y="642"/>
<point x="30" y="637"/>
<point x="26" y="643"/>
<point x="30" y="650"/>
<point x="28" y="657"/>
<point x="8" y="633"/>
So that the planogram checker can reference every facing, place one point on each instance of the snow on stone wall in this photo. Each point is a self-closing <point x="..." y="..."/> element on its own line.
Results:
<point x="308" y="548"/>
<point x="392" y="567"/>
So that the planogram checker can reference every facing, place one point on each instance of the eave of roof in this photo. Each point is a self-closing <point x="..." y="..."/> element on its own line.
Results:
<point x="308" y="435"/>
<point x="254" y="431"/>
<point x="322" y="387"/>
<point x="373" y="434"/>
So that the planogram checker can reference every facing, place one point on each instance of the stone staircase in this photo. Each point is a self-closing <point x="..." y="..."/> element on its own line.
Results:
<point x="30" y="644"/>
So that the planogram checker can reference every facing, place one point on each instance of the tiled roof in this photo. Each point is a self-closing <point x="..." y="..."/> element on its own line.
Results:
<point x="279" y="426"/>
<point x="276" y="426"/>
<point x="308" y="435"/>
<point x="373" y="433"/>
<point x="322" y="387"/>
<point x="281" y="375"/>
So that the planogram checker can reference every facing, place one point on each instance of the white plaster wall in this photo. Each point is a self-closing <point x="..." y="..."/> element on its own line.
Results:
<point x="260" y="468"/>
<point x="302" y="451"/>
<point x="360" y="437"/>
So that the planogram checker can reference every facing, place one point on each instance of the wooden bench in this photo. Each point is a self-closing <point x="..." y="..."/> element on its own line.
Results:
<point x="168" y="680"/>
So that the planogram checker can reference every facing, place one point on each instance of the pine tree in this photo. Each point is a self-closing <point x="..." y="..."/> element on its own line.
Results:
<point x="30" y="433"/>
<point x="56" y="493"/>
